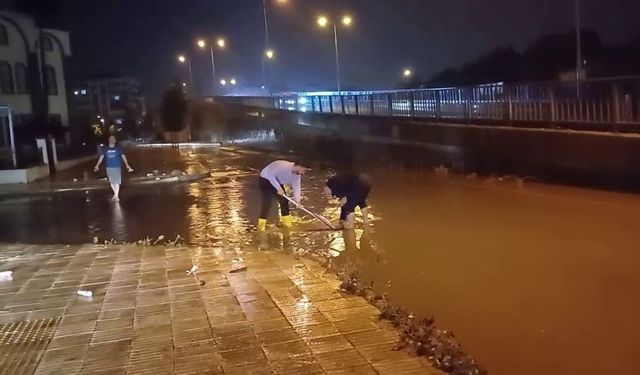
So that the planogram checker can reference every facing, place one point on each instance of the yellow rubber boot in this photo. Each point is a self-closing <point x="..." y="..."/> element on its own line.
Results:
<point x="286" y="221"/>
<point x="262" y="225"/>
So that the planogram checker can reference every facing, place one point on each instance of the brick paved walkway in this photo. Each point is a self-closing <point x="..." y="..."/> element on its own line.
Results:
<point x="147" y="316"/>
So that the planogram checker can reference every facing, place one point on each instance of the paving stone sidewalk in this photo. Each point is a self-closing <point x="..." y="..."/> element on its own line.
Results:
<point x="147" y="316"/>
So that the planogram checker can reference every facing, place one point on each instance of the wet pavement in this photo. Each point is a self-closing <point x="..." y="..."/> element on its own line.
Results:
<point x="146" y="315"/>
<point x="531" y="278"/>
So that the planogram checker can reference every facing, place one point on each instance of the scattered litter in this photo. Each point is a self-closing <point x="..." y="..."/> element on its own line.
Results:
<point x="238" y="269"/>
<point x="299" y="266"/>
<point x="75" y="180"/>
<point x="157" y="178"/>
<point x="202" y="282"/>
<point x="95" y="240"/>
<point x="238" y="265"/>
<point x="85" y="293"/>
<point x="150" y="175"/>
<point x="6" y="276"/>
<point x="160" y="238"/>
<point x="194" y="269"/>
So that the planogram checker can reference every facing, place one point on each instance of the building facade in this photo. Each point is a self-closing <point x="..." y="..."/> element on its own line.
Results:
<point x="32" y="75"/>
<point x="114" y="99"/>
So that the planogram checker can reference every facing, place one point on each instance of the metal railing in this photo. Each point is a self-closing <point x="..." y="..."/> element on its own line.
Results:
<point x="597" y="101"/>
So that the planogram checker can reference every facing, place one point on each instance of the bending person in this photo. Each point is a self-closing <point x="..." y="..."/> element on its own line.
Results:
<point x="353" y="189"/>
<point x="273" y="179"/>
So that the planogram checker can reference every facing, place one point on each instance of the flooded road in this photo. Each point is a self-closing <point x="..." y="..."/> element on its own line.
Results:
<point x="533" y="280"/>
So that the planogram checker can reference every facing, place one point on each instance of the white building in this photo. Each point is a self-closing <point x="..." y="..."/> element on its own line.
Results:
<point x="32" y="79"/>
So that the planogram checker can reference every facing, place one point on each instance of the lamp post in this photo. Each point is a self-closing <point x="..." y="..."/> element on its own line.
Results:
<point x="183" y="59"/>
<point x="269" y="53"/>
<point x="323" y="22"/>
<point x="578" y="47"/>
<point x="221" y="43"/>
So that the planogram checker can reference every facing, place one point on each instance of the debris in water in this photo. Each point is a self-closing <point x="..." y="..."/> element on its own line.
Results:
<point x="150" y="175"/>
<point x="6" y="276"/>
<point x="95" y="239"/>
<point x="442" y="171"/>
<point x="85" y="293"/>
<point x="160" y="238"/>
<point x="157" y="178"/>
<point x="75" y="180"/>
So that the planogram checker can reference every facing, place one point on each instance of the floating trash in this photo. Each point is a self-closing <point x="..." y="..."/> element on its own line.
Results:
<point x="160" y="238"/>
<point x="85" y="293"/>
<point x="6" y="276"/>
<point x="75" y="180"/>
<point x="150" y="175"/>
<point x="95" y="240"/>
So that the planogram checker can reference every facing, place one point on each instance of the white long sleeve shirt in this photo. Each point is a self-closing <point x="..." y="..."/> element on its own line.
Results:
<point x="280" y="172"/>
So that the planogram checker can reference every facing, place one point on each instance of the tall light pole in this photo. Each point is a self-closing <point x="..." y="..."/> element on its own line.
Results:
<point x="183" y="59"/>
<point x="323" y="22"/>
<point x="269" y="53"/>
<point x="578" y="46"/>
<point x="221" y="43"/>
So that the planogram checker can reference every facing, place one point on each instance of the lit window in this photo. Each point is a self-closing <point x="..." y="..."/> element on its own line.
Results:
<point x="83" y="92"/>
<point x="116" y="98"/>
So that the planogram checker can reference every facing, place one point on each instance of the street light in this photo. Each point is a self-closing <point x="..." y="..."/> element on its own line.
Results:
<point x="233" y="81"/>
<point x="182" y="59"/>
<point x="221" y="43"/>
<point x="223" y="82"/>
<point x="269" y="53"/>
<point x="323" y="21"/>
<point x="578" y="47"/>
<point x="407" y="73"/>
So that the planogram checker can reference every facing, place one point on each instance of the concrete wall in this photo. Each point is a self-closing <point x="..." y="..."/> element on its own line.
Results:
<point x="582" y="157"/>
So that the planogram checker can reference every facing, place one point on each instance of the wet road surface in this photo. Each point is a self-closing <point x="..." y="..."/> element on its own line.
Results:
<point x="540" y="279"/>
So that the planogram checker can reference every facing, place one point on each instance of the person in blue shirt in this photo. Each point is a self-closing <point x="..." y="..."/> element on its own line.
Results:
<point x="114" y="158"/>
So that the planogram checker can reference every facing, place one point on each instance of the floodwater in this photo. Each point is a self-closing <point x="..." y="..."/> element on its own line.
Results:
<point x="533" y="279"/>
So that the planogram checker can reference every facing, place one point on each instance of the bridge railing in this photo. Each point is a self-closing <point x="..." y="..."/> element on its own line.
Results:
<point x="602" y="101"/>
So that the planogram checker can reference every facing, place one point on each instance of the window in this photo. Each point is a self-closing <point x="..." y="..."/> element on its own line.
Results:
<point x="47" y="44"/>
<point x="83" y="92"/>
<point x="51" y="80"/>
<point x="4" y="36"/>
<point x="116" y="98"/>
<point x="22" y="80"/>
<point x="6" y="78"/>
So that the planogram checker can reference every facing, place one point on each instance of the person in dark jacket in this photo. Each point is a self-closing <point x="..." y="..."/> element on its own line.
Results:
<point x="353" y="190"/>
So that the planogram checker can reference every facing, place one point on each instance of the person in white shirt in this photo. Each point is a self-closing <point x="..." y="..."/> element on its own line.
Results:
<point x="273" y="179"/>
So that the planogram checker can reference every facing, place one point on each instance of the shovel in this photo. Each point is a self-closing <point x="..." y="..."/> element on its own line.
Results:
<point x="320" y="218"/>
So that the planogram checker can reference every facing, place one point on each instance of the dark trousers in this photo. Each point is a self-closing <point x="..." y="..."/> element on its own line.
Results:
<point x="269" y="193"/>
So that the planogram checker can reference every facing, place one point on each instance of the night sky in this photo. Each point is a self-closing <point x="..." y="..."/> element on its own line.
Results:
<point x="142" y="38"/>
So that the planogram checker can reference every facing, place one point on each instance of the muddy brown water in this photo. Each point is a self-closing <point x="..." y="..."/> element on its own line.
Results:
<point x="537" y="279"/>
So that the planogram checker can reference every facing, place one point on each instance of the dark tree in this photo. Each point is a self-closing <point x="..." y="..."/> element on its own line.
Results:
<point x="174" y="110"/>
